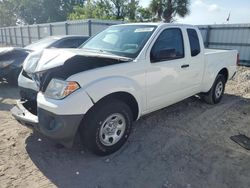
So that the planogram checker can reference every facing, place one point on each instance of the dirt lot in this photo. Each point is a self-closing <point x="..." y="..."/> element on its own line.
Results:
<point x="185" y="145"/>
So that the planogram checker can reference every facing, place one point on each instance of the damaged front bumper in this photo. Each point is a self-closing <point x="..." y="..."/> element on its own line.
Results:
<point x="23" y="116"/>
<point x="61" y="128"/>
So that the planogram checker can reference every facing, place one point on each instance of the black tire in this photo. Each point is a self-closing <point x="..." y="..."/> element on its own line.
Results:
<point x="91" y="128"/>
<point x="212" y="97"/>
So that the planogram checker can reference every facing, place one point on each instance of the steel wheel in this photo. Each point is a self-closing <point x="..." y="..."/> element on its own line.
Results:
<point x="215" y="94"/>
<point x="106" y="126"/>
<point x="219" y="89"/>
<point x="112" y="129"/>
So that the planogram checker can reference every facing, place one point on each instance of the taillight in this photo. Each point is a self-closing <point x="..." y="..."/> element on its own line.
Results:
<point x="238" y="59"/>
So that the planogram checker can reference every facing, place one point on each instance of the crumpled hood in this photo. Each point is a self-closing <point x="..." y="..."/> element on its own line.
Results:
<point x="63" y="63"/>
<point x="46" y="59"/>
<point x="51" y="58"/>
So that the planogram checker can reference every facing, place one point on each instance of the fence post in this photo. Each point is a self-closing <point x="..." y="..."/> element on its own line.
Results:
<point x="66" y="28"/>
<point x="28" y="28"/>
<point x="38" y="32"/>
<point x="50" y="30"/>
<point x="10" y="37"/>
<point x="90" y="27"/>
<point x="21" y="33"/>
<point x="2" y="35"/>
<point x="15" y="36"/>
<point x="6" y="39"/>
<point x="207" y="37"/>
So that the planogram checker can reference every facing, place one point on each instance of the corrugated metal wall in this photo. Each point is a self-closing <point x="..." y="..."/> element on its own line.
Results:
<point x="24" y="35"/>
<point x="226" y="36"/>
<point x="229" y="36"/>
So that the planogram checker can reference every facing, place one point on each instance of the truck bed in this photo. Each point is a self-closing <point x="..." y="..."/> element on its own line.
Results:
<point x="212" y="51"/>
<point x="216" y="60"/>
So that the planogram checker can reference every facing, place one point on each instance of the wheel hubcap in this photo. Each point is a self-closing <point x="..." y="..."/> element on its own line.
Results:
<point x="218" y="90"/>
<point x="112" y="129"/>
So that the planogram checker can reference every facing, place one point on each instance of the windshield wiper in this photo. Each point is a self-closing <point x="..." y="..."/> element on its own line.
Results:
<point x="120" y="58"/>
<point x="98" y="50"/>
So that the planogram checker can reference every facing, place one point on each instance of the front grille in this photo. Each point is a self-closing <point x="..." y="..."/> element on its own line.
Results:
<point x="29" y="96"/>
<point x="35" y="77"/>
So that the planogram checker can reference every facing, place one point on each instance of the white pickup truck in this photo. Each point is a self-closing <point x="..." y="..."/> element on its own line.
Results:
<point x="118" y="76"/>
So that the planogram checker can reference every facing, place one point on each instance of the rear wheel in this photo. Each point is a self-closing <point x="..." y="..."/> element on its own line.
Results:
<point x="215" y="94"/>
<point x="106" y="126"/>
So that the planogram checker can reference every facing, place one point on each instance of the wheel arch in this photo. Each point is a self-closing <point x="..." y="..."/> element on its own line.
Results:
<point x="211" y="76"/>
<point x="224" y="71"/>
<point x="122" y="88"/>
<point x="127" y="98"/>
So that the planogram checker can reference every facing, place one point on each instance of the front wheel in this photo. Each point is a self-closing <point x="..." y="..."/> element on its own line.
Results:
<point x="106" y="126"/>
<point x="215" y="94"/>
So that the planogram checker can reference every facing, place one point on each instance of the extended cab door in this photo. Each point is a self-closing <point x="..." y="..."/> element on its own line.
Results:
<point x="164" y="79"/>
<point x="194" y="67"/>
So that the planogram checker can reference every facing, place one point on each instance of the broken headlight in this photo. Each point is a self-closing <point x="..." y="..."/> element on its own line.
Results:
<point x="59" y="89"/>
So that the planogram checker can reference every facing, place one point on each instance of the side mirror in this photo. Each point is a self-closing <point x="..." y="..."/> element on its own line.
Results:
<point x="164" y="54"/>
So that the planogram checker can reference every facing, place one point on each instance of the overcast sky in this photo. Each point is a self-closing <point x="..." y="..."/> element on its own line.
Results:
<point x="215" y="11"/>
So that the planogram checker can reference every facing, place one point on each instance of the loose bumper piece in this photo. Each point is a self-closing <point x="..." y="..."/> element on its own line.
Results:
<point x="61" y="128"/>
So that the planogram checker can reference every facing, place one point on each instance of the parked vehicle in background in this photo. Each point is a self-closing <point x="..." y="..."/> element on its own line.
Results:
<point x="12" y="58"/>
<point x="118" y="76"/>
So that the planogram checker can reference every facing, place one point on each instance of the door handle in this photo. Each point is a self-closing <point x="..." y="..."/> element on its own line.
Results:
<point x="185" y="66"/>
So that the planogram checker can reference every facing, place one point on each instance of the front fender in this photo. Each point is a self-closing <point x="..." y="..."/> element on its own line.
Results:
<point x="105" y="86"/>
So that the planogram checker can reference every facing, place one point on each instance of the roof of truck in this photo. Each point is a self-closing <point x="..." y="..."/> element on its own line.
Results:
<point x="160" y="24"/>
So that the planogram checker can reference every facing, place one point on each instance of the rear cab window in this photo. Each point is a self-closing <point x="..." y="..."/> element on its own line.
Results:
<point x="194" y="42"/>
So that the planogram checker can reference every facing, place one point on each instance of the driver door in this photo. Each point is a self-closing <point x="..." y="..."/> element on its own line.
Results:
<point x="164" y="78"/>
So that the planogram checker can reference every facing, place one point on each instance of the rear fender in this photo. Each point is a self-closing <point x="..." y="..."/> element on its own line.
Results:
<point x="210" y="79"/>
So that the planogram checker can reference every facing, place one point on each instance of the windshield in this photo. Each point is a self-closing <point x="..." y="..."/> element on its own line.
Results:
<point x="122" y="40"/>
<point x="42" y="44"/>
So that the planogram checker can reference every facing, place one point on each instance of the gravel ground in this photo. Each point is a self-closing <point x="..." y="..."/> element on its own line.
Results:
<point x="185" y="145"/>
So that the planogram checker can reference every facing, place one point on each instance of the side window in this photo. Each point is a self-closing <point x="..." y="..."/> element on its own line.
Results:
<point x="194" y="42"/>
<point x="70" y="43"/>
<point x="168" y="46"/>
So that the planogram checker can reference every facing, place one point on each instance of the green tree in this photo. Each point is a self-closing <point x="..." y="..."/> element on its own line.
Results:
<point x="42" y="11"/>
<point x="144" y="14"/>
<point x="58" y="10"/>
<point x="168" y="9"/>
<point x="119" y="8"/>
<point x="106" y="9"/>
<point x="78" y="13"/>
<point x="156" y="7"/>
<point x="7" y="18"/>
<point x="132" y="10"/>
<point x="101" y="9"/>
<point x="29" y="11"/>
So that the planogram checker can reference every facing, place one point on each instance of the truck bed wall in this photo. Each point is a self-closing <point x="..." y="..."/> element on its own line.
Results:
<point x="215" y="61"/>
